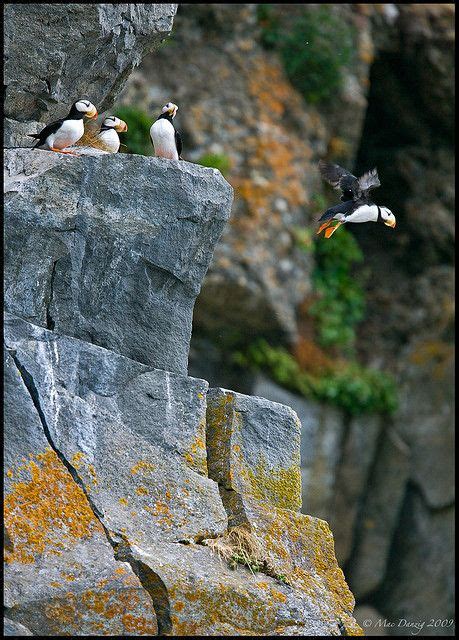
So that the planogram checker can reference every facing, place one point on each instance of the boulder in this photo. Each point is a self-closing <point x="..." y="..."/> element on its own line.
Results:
<point x="111" y="249"/>
<point x="79" y="50"/>
<point x="254" y="447"/>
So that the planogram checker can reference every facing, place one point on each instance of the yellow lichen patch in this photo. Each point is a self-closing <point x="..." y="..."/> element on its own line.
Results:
<point x="280" y="487"/>
<point x="68" y="576"/>
<point x="142" y="465"/>
<point x="178" y="606"/>
<point x="123" y="501"/>
<point x="313" y="566"/>
<point x="116" y="609"/>
<point x="55" y="585"/>
<point x="78" y="459"/>
<point x="215" y="607"/>
<point x="47" y="513"/>
<point x="277" y="596"/>
<point x="142" y="491"/>
<point x="138" y="625"/>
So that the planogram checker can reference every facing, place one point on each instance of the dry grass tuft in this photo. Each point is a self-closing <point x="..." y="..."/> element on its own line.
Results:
<point x="239" y="545"/>
<point x="90" y="139"/>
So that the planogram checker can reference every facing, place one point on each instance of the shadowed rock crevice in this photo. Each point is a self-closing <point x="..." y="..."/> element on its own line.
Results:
<point x="49" y="320"/>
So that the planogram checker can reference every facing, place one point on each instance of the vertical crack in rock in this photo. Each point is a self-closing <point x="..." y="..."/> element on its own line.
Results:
<point x="149" y="580"/>
<point x="50" y="323"/>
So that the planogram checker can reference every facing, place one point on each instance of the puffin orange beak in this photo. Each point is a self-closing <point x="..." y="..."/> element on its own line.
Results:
<point x="390" y="224"/>
<point x="92" y="114"/>
<point x="121" y="127"/>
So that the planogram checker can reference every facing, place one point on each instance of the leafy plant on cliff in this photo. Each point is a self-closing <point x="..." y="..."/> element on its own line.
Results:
<point x="137" y="139"/>
<point x="347" y="385"/>
<point x="313" y="50"/>
<point x="341" y="302"/>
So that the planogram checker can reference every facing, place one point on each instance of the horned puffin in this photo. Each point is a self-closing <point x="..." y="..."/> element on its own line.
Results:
<point x="165" y="138"/>
<point x="108" y="135"/>
<point x="65" y="132"/>
<point x="356" y="204"/>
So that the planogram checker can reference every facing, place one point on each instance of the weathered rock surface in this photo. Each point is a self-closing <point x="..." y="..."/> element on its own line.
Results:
<point x="117" y="255"/>
<point x="80" y="49"/>
<point x="11" y="628"/>
<point x="129" y="444"/>
<point x="60" y="575"/>
<point x="135" y="436"/>
<point x="253" y="446"/>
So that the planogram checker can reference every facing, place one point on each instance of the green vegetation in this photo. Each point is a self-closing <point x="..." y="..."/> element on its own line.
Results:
<point x="338" y="308"/>
<point x="349" y="386"/>
<point x="341" y="298"/>
<point x="218" y="161"/>
<point x="137" y="139"/>
<point x="314" y="49"/>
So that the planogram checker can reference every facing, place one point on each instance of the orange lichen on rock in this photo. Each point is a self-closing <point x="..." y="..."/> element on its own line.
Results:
<point x="142" y="465"/>
<point x="46" y="513"/>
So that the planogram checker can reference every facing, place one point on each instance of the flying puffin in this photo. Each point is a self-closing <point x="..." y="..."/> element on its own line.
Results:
<point x="356" y="204"/>
<point x="66" y="131"/>
<point x="165" y="138"/>
<point x="108" y="137"/>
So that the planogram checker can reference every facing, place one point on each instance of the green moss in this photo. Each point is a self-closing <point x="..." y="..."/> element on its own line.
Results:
<point x="137" y="138"/>
<point x="314" y="48"/>
<point x="351" y="387"/>
<point x="216" y="160"/>
<point x="341" y="303"/>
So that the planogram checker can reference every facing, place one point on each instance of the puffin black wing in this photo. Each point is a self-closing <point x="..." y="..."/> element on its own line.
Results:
<point x="178" y="143"/>
<point x="345" y="208"/>
<point x="369" y="180"/>
<point x="44" y="133"/>
<point x="340" y="179"/>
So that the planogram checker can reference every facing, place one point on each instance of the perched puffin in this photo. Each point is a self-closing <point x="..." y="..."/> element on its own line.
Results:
<point x="164" y="137"/>
<point x="108" y="137"/>
<point x="66" y="131"/>
<point x="356" y="204"/>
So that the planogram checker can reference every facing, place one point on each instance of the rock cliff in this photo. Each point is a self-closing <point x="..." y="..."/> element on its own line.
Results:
<point x="137" y="501"/>
<point x="384" y="484"/>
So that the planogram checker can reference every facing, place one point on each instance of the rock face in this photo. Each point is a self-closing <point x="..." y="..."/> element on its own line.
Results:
<point x="82" y="50"/>
<point x="133" y="504"/>
<point x="113" y="498"/>
<point x="118" y="255"/>
<point x="382" y="484"/>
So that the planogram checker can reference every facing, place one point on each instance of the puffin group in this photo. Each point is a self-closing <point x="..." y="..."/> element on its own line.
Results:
<point x="66" y="132"/>
<point x="356" y="205"/>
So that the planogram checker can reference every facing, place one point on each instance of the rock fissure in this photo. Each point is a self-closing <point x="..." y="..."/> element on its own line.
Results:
<point x="50" y="323"/>
<point x="150" y="581"/>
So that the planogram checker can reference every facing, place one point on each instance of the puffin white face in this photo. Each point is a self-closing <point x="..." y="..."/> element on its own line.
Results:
<point x="170" y="108"/>
<point x="86" y="107"/>
<point x="115" y="123"/>
<point x="388" y="217"/>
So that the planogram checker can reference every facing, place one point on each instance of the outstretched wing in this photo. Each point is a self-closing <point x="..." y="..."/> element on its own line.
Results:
<point x="340" y="179"/>
<point x="178" y="143"/>
<point x="369" y="180"/>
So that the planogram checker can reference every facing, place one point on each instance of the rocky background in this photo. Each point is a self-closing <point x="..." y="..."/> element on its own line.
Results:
<point x="372" y="85"/>
<point x="138" y="499"/>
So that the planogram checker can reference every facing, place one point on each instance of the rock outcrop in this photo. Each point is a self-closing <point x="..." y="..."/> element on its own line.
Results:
<point x="118" y="255"/>
<point x="137" y="502"/>
<point x="79" y="49"/>
<point x="119" y="488"/>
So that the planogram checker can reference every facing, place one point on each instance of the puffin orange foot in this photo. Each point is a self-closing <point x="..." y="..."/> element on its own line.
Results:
<point x="70" y="153"/>
<point x="323" y="226"/>
<point x="331" y="230"/>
